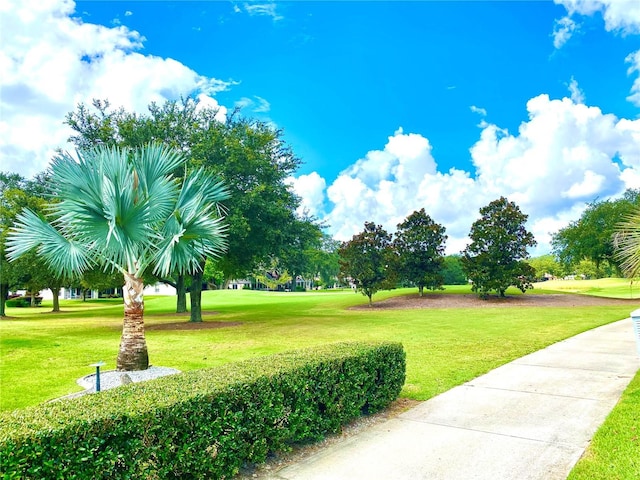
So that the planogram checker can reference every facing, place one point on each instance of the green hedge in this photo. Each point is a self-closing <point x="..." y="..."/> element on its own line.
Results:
<point x="204" y="423"/>
<point x="22" y="302"/>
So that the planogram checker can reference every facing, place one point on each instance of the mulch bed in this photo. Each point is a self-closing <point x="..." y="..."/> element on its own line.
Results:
<point x="442" y="300"/>
<point x="187" y="325"/>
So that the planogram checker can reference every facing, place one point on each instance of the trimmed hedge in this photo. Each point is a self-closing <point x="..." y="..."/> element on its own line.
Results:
<point x="22" y="302"/>
<point x="203" y="423"/>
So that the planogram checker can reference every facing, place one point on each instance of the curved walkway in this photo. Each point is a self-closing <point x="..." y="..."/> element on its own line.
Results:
<point x="529" y="419"/>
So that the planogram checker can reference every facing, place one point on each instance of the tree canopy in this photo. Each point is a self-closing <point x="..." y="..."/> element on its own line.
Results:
<point x="419" y="245"/>
<point x="452" y="272"/>
<point x="494" y="260"/>
<point x="546" y="264"/>
<point x="366" y="259"/>
<point x="30" y="272"/>
<point x="591" y="236"/>
<point x="250" y="156"/>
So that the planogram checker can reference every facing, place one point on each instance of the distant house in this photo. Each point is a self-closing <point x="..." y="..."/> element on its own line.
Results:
<point x="159" y="289"/>
<point x="76" y="293"/>
<point x="239" y="284"/>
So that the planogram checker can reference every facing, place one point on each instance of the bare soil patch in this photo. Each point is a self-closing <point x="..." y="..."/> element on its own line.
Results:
<point x="183" y="314"/>
<point x="443" y="300"/>
<point x="186" y="325"/>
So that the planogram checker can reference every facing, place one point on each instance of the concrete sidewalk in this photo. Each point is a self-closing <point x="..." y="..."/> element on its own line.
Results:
<point x="529" y="419"/>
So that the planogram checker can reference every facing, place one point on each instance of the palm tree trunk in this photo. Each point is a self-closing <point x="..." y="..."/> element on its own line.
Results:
<point x="133" y="353"/>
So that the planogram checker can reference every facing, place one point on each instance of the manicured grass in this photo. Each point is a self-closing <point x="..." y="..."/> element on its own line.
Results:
<point x="614" y="452"/>
<point x="42" y="354"/>
<point x="602" y="287"/>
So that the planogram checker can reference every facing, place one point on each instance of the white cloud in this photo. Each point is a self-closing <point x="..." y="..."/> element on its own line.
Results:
<point x="565" y="155"/>
<point x="128" y="13"/>
<point x="310" y="188"/>
<point x="263" y="9"/>
<point x="51" y="61"/>
<point x="262" y="106"/>
<point x="478" y="110"/>
<point x="259" y="105"/>
<point x="619" y="15"/>
<point x="563" y="30"/>
<point x="634" y="60"/>
<point x="589" y="186"/>
<point x="577" y="95"/>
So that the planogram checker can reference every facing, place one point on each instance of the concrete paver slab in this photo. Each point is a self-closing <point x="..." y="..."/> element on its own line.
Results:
<point x="597" y="362"/>
<point x="555" y="381"/>
<point x="533" y="416"/>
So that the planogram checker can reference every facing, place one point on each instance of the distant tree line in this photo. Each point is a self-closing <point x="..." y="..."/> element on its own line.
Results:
<point x="586" y="246"/>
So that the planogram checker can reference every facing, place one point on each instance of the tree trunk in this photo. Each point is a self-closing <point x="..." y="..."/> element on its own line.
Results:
<point x="133" y="353"/>
<point x="421" y="290"/>
<point x="33" y="299"/>
<point x="181" y="292"/>
<point x="55" y="291"/>
<point x="195" y="294"/>
<point x="4" y="291"/>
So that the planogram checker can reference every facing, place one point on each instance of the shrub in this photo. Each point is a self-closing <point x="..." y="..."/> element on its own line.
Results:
<point x="204" y="423"/>
<point x="22" y="302"/>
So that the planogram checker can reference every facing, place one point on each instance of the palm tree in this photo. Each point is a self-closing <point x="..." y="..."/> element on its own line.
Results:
<point x="122" y="209"/>
<point x="626" y="243"/>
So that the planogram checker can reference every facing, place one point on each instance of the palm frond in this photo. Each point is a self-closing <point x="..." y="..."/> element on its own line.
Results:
<point x="153" y="165"/>
<point x="627" y="245"/>
<point x="102" y="203"/>
<point x="195" y="231"/>
<point x="183" y="249"/>
<point x="126" y="210"/>
<point x="201" y="193"/>
<point x="65" y="256"/>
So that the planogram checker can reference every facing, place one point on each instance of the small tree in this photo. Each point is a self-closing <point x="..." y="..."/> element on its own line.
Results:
<point x="494" y="260"/>
<point x="419" y="245"/>
<point x="124" y="210"/>
<point x="365" y="259"/>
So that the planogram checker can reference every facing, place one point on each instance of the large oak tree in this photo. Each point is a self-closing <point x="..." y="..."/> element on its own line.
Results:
<point x="250" y="156"/>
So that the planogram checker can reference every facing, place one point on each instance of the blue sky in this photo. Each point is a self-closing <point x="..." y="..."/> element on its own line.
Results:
<point x="392" y="106"/>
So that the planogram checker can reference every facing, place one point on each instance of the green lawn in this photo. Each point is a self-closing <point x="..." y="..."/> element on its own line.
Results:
<point x="602" y="287"/>
<point x="614" y="452"/>
<point x="42" y="354"/>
